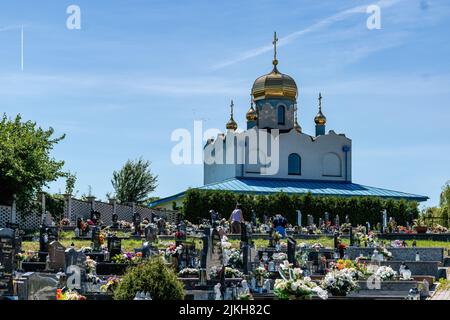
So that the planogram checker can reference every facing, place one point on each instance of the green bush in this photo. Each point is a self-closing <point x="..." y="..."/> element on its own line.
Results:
<point x="197" y="204"/>
<point x="151" y="276"/>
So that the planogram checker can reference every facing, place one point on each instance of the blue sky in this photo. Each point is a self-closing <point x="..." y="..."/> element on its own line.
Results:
<point x="137" y="70"/>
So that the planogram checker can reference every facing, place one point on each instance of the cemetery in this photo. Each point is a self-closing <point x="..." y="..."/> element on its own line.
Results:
<point x="329" y="258"/>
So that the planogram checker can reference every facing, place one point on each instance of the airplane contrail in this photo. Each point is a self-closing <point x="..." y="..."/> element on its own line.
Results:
<point x="314" y="27"/>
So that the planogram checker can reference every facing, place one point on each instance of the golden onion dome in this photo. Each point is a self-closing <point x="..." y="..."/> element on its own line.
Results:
<point x="320" y="119"/>
<point x="251" y="114"/>
<point x="274" y="85"/>
<point x="231" y="124"/>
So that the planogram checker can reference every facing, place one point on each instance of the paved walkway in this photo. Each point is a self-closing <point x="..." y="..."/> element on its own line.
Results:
<point x="441" y="295"/>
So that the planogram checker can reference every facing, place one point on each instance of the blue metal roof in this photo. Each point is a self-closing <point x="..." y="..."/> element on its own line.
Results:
<point x="319" y="188"/>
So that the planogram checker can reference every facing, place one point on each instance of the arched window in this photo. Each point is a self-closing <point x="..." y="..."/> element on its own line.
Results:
<point x="281" y="114"/>
<point x="332" y="166"/>
<point x="294" y="164"/>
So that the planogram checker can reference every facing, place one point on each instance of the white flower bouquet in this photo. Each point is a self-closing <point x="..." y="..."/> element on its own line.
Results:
<point x="294" y="287"/>
<point x="339" y="282"/>
<point x="385" y="273"/>
<point x="214" y="272"/>
<point x="279" y="256"/>
<point x="188" y="272"/>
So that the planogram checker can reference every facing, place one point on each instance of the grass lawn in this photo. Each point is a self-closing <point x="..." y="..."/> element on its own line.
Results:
<point x="130" y="244"/>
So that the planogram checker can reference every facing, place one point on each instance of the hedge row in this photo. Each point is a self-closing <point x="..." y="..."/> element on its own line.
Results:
<point x="197" y="204"/>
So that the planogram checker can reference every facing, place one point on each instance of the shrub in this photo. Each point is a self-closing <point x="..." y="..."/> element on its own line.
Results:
<point x="197" y="204"/>
<point x="151" y="276"/>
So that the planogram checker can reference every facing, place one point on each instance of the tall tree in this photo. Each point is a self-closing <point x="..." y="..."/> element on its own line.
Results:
<point x="134" y="182"/>
<point x="25" y="162"/>
<point x="445" y="204"/>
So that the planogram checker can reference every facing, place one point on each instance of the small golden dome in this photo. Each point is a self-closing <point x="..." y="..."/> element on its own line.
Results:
<point x="320" y="119"/>
<point x="231" y="124"/>
<point x="251" y="114"/>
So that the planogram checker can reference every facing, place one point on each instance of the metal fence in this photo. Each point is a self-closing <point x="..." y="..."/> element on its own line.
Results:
<point x="75" y="208"/>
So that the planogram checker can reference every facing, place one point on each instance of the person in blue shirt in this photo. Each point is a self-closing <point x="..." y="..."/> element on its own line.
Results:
<point x="280" y="223"/>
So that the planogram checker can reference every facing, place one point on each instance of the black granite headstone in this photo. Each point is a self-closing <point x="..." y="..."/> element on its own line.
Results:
<point x="351" y="237"/>
<point x="291" y="247"/>
<point x="96" y="245"/>
<point x="114" y="246"/>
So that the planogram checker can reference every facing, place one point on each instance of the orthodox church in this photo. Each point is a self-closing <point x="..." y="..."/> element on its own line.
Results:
<point x="274" y="155"/>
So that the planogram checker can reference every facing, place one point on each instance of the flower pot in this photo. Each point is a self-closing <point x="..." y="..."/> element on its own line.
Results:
<point x="421" y="229"/>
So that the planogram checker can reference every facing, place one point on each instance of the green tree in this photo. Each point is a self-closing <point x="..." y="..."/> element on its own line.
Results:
<point x="134" y="182"/>
<point x="25" y="162"/>
<point x="444" y="203"/>
<point x="71" y="179"/>
<point x="151" y="276"/>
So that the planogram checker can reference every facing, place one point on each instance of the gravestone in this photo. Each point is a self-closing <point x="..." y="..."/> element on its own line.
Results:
<point x="254" y="218"/>
<point x="115" y="221"/>
<point x="205" y="249"/>
<point x="327" y="217"/>
<point x="384" y="221"/>
<point x="336" y="240"/>
<point x="347" y="219"/>
<point x="299" y="218"/>
<point x="291" y="247"/>
<point x="7" y="252"/>
<point x="7" y="264"/>
<point x="137" y="223"/>
<point x="161" y="226"/>
<point x="310" y="220"/>
<point x="351" y="237"/>
<point x="70" y="256"/>
<point x="43" y="243"/>
<point x="246" y="258"/>
<point x="56" y="254"/>
<point x="114" y="246"/>
<point x="96" y="245"/>
<point x="17" y="235"/>
<point x="151" y="233"/>
<point x="336" y="221"/>
<point x="215" y="258"/>
<point x="244" y="233"/>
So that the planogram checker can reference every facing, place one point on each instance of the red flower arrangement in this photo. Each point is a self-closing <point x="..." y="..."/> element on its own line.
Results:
<point x="179" y="235"/>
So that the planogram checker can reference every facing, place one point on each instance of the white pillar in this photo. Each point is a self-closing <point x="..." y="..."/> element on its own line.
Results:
<point x="92" y="201"/>
<point x="68" y="212"/>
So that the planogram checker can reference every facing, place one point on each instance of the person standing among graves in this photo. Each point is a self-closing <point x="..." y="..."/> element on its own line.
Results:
<point x="214" y="217"/>
<point x="236" y="218"/>
<point x="280" y="223"/>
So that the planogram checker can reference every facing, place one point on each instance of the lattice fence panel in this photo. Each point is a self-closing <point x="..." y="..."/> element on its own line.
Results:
<point x="124" y="212"/>
<point x="80" y="209"/>
<point x="5" y="215"/>
<point x="144" y="212"/>
<point x="106" y="211"/>
<point x="30" y="221"/>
